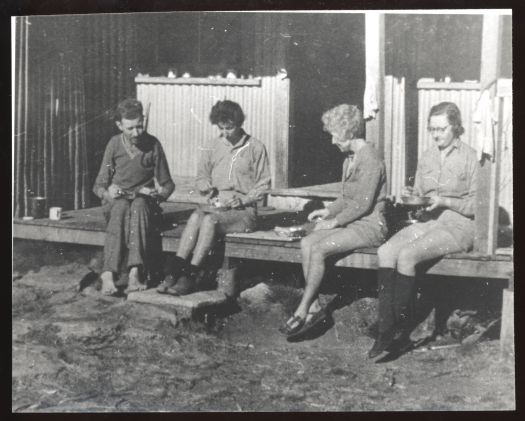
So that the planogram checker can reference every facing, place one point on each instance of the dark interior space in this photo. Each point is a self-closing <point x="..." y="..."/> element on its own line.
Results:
<point x="326" y="68"/>
<point x="430" y="46"/>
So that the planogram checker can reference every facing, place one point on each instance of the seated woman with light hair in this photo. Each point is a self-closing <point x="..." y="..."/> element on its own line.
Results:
<point x="355" y="220"/>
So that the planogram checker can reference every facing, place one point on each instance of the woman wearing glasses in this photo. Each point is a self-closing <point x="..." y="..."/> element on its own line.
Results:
<point x="447" y="173"/>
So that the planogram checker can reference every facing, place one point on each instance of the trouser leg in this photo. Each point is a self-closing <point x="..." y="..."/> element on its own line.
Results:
<point x="117" y="218"/>
<point x="139" y="232"/>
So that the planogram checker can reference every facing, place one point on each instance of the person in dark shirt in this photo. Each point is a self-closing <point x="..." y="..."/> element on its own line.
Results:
<point x="133" y="177"/>
<point x="355" y="220"/>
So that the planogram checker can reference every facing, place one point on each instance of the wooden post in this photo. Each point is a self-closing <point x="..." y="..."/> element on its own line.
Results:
<point x="506" y="339"/>
<point x="227" y="281"/>
<point x="488" y="177"/>
<point x="375" y="74"/>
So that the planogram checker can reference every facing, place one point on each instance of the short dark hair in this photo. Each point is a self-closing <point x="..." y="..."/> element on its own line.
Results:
<point x="453" y="114"/>
<point x="227" y="111"/>
<point x="129" y="109"/>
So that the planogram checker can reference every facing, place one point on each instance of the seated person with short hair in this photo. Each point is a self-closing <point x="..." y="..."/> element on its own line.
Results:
<point x="133" y="177"/>
<point x="234" y="173"/>
<point x="355" y="220"/>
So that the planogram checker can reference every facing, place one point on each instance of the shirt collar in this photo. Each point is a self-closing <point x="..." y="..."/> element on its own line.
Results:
<point x="239" y="144"/>
<point x="454" y="145"/>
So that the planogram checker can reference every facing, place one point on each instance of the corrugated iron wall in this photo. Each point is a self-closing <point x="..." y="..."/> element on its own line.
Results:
<point x="178" y="115"/>
<point x="465" y="96"/>
<point x="70" y="73"/>
<point x="395" y="139"/>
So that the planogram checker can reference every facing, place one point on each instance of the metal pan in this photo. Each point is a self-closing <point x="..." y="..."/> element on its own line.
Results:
<point x="213" y="209"/>
<point x="415" y="200"/>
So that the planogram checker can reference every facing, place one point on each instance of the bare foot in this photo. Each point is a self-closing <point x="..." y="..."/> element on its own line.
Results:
<point x="108" y="286"/>
<point x="134" y="283"/>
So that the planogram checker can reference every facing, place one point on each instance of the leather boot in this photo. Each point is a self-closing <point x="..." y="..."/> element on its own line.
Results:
<point x="404" y="308"/>
<point x="386" y="320"/>
<point x="173" y="268"/>
<point x="187" y="282"/>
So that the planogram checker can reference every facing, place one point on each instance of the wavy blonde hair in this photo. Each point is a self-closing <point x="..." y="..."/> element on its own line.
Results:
<point x="344" y="120"/>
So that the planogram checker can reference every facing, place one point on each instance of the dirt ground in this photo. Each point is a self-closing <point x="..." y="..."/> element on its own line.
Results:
<point x="84" y="352"/>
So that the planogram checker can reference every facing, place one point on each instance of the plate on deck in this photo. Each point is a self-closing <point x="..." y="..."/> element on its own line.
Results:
<point x="415" y="200"/>
<point x="295" y="232"/>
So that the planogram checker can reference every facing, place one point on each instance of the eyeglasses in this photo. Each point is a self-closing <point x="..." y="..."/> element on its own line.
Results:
<point x="438" y="130"/>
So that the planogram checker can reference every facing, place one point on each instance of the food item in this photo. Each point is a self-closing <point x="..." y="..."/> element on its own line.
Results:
<point x="291" y="232"/>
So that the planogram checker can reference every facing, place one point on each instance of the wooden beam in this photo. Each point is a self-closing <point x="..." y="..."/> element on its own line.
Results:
<point x="488" y="178"/>
<point x="375" y="74"/>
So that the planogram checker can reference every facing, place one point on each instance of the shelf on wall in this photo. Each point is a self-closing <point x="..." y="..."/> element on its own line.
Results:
<point x="196" y="81"/>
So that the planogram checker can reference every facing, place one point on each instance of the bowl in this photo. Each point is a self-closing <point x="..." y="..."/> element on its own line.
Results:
<point x="415" y="200"/>
<point x="291" y="232"/>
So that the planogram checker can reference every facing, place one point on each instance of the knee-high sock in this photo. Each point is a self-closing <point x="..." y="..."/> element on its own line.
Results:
<point x="404" y="298"/>
<point x="386" y="314"/>
<point x="175" y="266"/>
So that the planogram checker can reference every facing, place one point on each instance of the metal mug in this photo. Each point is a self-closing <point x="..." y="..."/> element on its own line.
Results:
<point x="38" y="207"/>
<point x="55" y="213"/>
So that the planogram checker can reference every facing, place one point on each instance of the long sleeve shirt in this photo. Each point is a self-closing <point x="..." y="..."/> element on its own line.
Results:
<point x="242" y="169"/>
<point x="453" y="176"/>
<point x="132" y="170"/>
<point x="363" y="187"/>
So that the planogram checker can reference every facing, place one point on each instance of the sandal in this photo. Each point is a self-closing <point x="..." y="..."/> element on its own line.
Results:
<point x="292" y="325"/>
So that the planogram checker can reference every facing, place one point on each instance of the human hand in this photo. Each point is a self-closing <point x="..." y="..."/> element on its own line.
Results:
<point x="114" y="191"/>
<point x="326" y="224"/>
<point x="148" y="191"/>
<point x="318" y="214"/>
<point x="436" y="202"/>
<point x="409" y="191"/>
<point x="234" y="203"/>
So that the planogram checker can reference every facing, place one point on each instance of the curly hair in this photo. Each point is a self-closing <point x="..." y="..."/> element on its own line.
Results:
<point x="227" y="111"/>
<point x="453" y="114"/>
<point x="344" y="119"/>
<point x="129" y="109"/>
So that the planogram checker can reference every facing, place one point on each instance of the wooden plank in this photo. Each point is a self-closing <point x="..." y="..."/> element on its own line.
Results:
<point x="329" y="191"/>
<point x="192" y="301"/>
<point x="487" y="188"/>
<point x="375" y="73"/>
<point x="197" y="81"/>
<point x="59" y="235"/>
<point x="87" y="227"/>
<point x="454" y="86"/>
<point x="286" y="252"/>
<point x="388" y="119"/>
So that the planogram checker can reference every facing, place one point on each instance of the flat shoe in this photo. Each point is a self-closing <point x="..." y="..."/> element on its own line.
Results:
<point x="184" y="286"/>
<point x="167" y="283"/>
<point x="288" y="327"/>
<point x="316" y="320"/>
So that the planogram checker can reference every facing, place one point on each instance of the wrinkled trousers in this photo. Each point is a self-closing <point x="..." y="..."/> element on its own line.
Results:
<point x="132" y="232"/>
